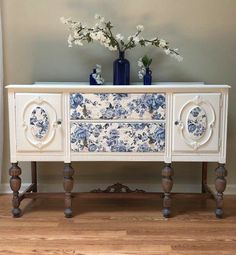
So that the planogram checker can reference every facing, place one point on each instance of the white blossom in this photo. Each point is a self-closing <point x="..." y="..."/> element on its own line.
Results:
<point x="111" y="48"/>
<point x="148" y="43"/>
<point x="167" y="51"/>
<point x="70" y="40"/>
<point x="140" y="28"/>
<point x="162" y="43"/>
<point x="178" y="57"/>
<point x="140" y="63"/>
<point x="80" y="33"/>
<point x="78" y="42"/>
<point x="119" y="37"/>
<point x="140" y="76"/>
<point x="136" y="40"/>
<point x="99" y="18"/>
<point x="94" y="36"/>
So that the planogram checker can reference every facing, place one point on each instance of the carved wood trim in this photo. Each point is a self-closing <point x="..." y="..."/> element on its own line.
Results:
<point x="117" y="188"/>
<point x="197" y="101"/>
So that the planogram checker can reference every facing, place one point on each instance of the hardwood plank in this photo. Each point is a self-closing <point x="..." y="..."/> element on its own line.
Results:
<point x="117" y="225"/>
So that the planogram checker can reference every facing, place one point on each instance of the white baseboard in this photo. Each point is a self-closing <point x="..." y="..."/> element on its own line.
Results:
<point x="183" y="188"/>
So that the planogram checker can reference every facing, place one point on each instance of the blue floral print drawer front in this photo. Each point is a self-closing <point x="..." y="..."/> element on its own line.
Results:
<point x="117" y="106"/>
<point x="117" y="137"/>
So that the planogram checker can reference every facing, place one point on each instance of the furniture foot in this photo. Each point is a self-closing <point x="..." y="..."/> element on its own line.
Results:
<point x="15" y="184"/>
<point x="167" y="184"/>
<point x="68" y="186"/>
<point x="220" y="185"/>
<point x="34" y="175"/>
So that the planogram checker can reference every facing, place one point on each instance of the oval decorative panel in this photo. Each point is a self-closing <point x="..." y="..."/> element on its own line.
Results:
<point x="39" y="123"/>
<point x="197" y="122"/>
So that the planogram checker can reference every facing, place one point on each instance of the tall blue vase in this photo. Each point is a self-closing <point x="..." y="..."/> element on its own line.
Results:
<point x="147" y="78"/>
<point x="121" y="70"/>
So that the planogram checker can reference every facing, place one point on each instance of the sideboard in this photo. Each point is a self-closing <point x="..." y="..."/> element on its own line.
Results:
<point x="76" y="122"/>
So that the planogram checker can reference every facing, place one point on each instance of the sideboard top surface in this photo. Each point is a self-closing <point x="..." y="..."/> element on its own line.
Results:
<point x="136" y="87"/>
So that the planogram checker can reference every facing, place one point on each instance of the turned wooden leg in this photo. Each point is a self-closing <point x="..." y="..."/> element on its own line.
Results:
<point x="220" y="185"/>
<point x="34" y="175"/>
<point x="15" y="184"/>
<point x="204" y="177"/>
<point x="167" y="184"/>
<point x="68" y="186"/>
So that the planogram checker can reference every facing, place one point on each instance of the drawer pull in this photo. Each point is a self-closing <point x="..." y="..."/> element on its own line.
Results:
<point x="59" y="122"/>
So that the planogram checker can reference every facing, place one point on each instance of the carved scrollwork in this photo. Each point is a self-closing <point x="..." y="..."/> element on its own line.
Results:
<point x="196" y="128"/>
<point x="117" y="188"/>
<point x="39" y="127"/>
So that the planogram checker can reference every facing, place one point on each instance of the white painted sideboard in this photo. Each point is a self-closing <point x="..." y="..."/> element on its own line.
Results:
<point x="77" y="122"/>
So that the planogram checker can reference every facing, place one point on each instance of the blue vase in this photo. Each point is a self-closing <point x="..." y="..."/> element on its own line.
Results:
<point x="92" y="81"/>
<point x="147" y="78"/>
<point x="121" y="70"/>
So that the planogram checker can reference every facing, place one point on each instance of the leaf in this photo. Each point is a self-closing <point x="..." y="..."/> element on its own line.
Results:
<point x="146" y="61"/>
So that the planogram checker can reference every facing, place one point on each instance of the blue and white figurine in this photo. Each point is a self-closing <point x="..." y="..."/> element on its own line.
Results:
<point x="95" y="78"/>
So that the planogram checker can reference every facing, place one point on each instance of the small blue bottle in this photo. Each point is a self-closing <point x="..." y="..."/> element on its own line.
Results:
<point x="147" y="78"/>
<point x="92" y="81"/>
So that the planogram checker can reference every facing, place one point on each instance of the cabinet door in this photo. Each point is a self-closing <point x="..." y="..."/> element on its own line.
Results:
<point x="196" y="123"/>
<point x="38" y="122"/>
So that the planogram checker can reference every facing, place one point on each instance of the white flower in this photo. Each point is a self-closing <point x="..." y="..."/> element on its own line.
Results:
<point x="97" y="16"/>
<point x="140" y="28"/>
<point x="143" y="70"/>
<point x="94" y="36"/>
<point x="63" y="20"/>
<point x="178" y="57"/>
<point x="78" y="42"/>
<point x="162" y="43"/>
<point x="140" y="75"/>
<point x="111" y="48"/>
<point x="140" y="63"/>
<point x="119" y="37"/>
<point x="102" y="19"/>
<point x="167" y="51"/>
<point x="148" y="43"/>
<point x="106" y="45"/>
<point x="70" y="40"/>
<point x="100" y="36"/>
<point x="136" y="40"/>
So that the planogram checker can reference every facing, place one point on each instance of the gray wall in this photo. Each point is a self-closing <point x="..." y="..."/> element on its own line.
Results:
<point x="35" y="49"/>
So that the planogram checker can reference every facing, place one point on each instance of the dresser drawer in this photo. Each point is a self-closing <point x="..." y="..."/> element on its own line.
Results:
<point x="117" y="106"/>
<point x="117" y="137"/>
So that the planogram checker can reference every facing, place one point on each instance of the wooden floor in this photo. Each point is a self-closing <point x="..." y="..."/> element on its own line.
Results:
<point x="118" y="224"/>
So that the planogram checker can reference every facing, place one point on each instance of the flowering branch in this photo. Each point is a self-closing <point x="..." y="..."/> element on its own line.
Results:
<point x="102" y="32"/>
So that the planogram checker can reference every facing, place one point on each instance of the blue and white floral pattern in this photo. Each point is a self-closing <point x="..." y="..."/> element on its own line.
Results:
<point x="197" y="122"/>
<point x="39" y="123"/>
<point x="117" y="137"/>
<point x="117" y="106"/>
